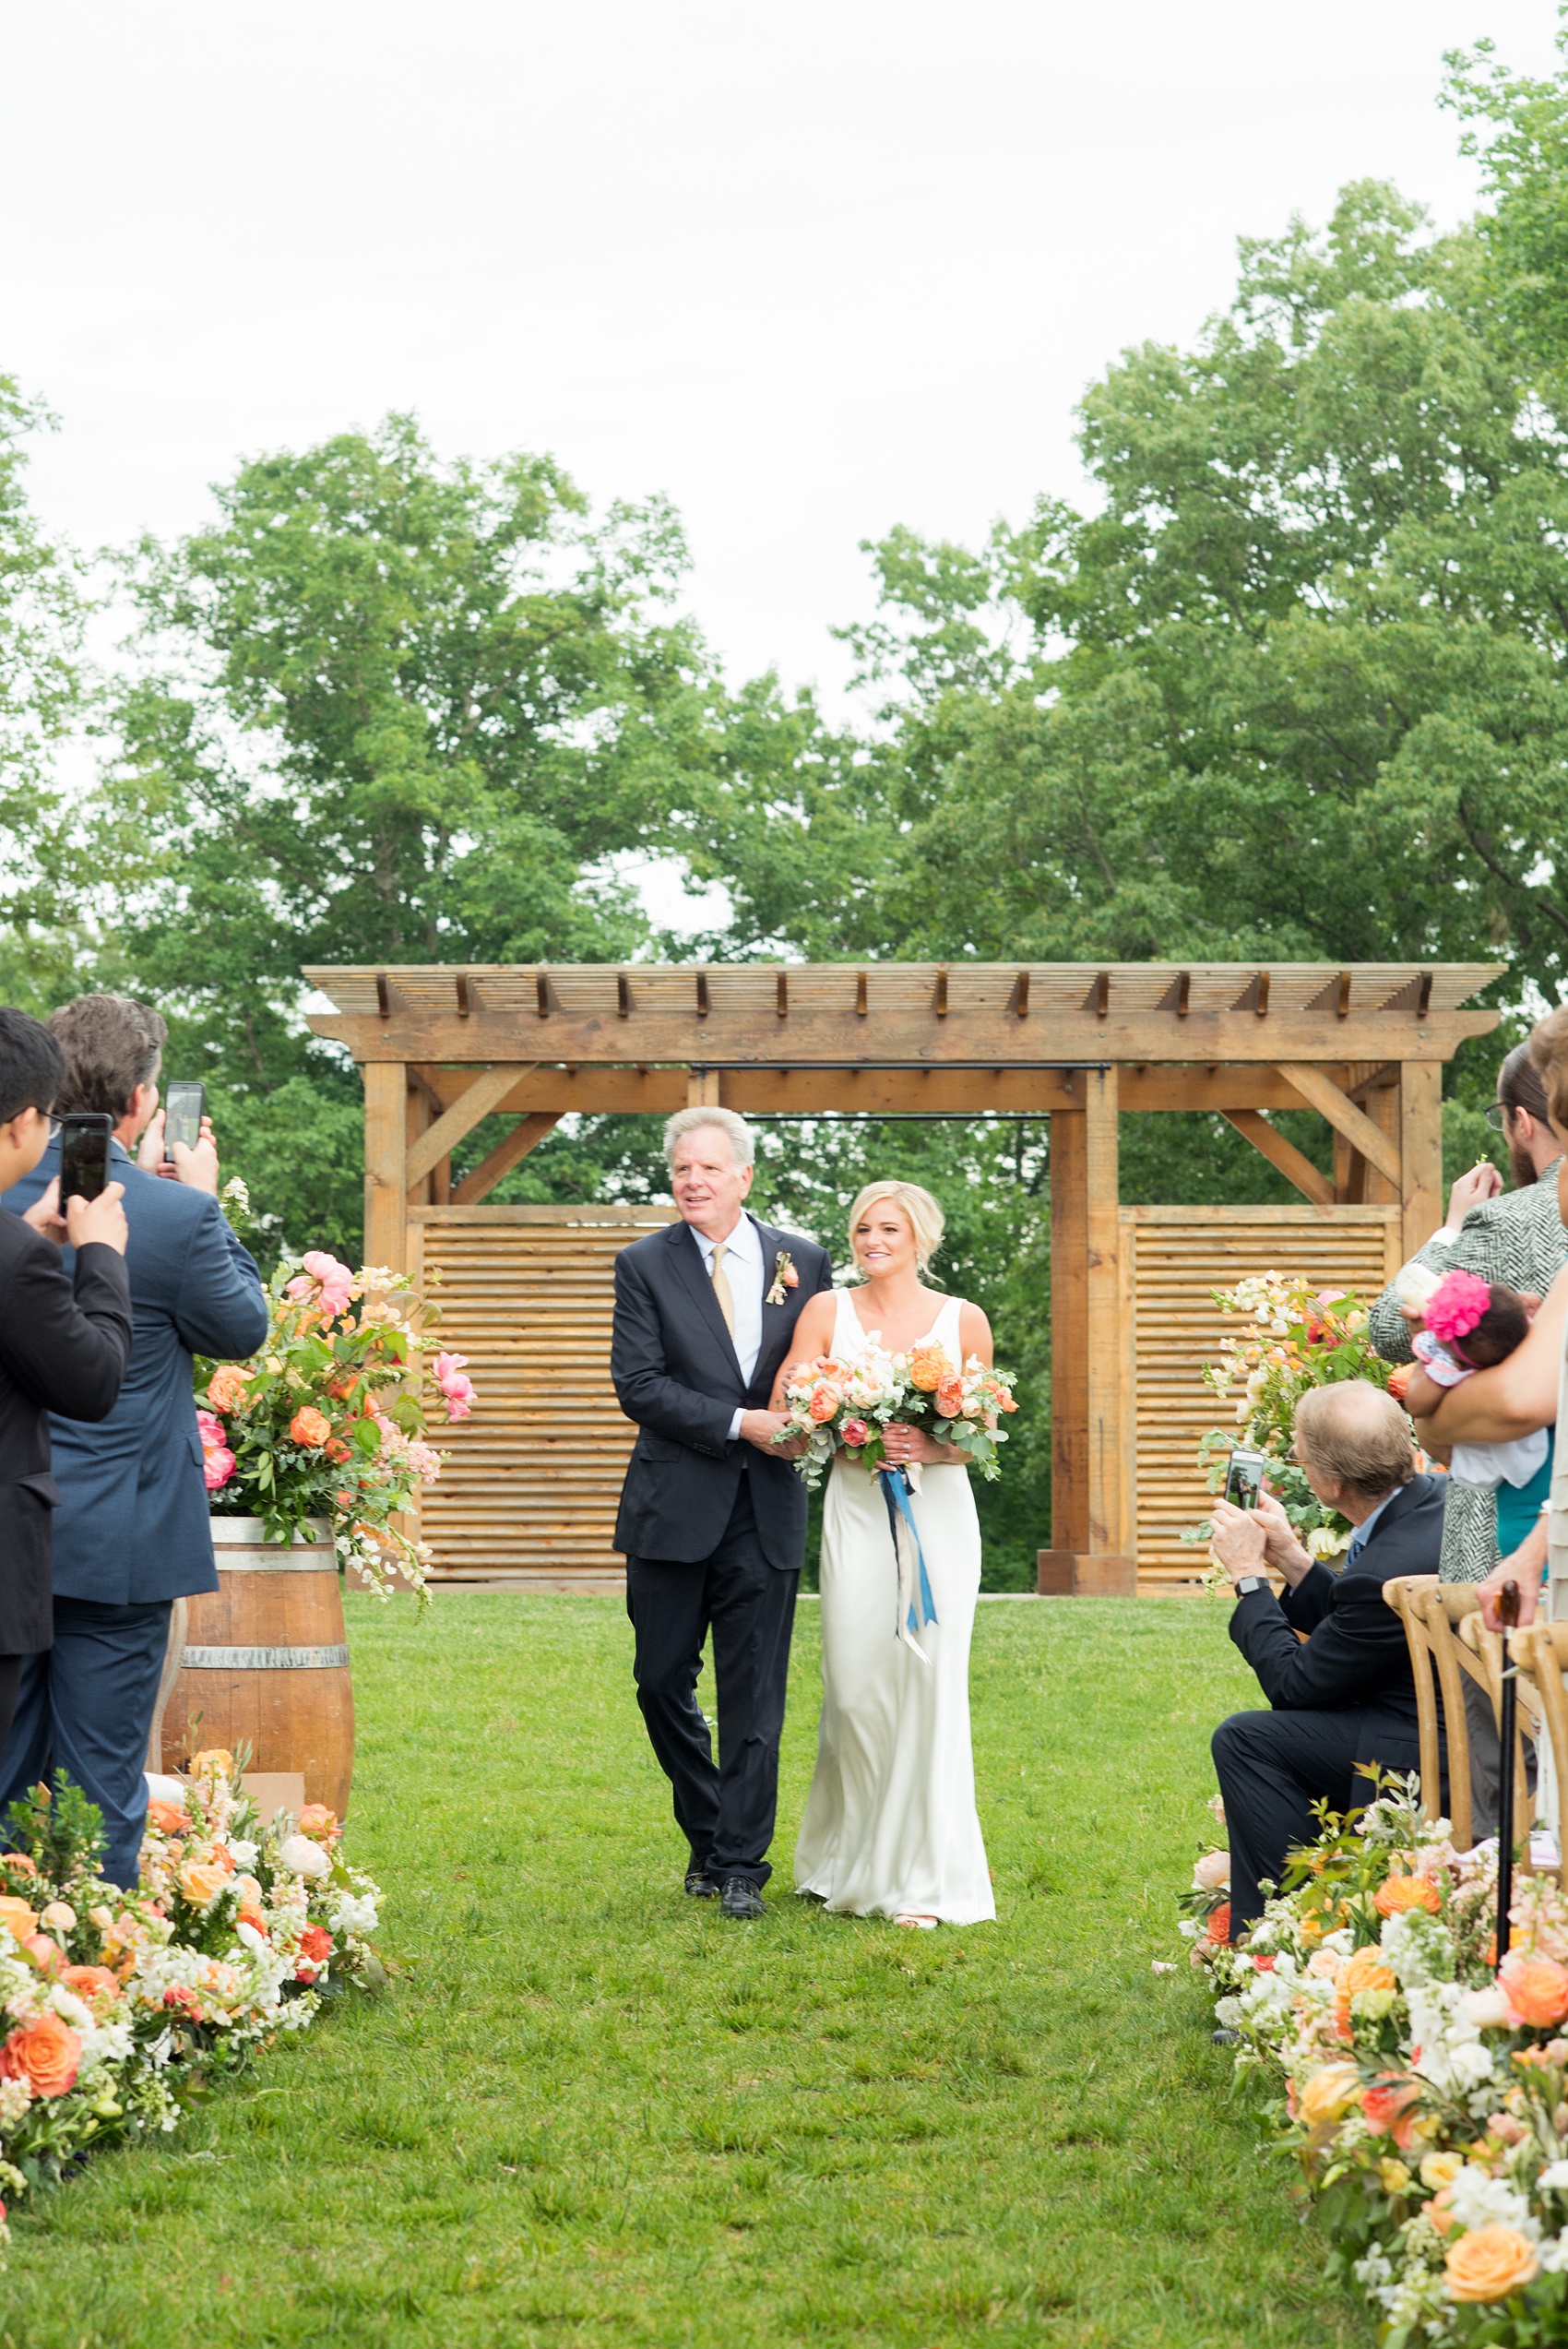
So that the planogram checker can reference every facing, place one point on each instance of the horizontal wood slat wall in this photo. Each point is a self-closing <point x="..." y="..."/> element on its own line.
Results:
<point x="527" y="1293"/>
<point x="1179" y="1255"/>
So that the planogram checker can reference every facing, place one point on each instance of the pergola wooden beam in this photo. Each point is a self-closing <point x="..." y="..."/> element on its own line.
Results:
<point x="526" y="1135"/>
<point x="1292" y="1164"/>
<point x="1325" y="1096"/>
<point x="479" y="1097"/>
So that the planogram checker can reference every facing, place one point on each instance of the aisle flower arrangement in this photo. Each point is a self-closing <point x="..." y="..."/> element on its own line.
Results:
<point x="118" y="2001"/>
<point x="845" y="1406"/>
<point x="1422" y="2088"/>
<point x="1295" y="1336"/>
<point x="329" y="1418"/>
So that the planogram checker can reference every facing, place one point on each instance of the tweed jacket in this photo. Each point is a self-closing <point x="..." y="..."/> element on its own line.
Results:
<point x="1518" y="1240"/>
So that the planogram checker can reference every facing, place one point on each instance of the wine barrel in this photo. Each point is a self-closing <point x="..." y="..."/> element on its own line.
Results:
<point x="266" y="1662"/>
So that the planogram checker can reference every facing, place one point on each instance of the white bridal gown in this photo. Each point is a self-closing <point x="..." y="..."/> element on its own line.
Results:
<point x="890" y="1825"/>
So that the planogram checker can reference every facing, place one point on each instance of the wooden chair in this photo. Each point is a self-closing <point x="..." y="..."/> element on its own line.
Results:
<point x="1431" y="1612"/>
<point x="1541" y="1653"/>
<point x="1487" y="1647"/>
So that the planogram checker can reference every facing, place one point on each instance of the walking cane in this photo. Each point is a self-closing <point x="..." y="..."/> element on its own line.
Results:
<point x="1508" y="1617"/>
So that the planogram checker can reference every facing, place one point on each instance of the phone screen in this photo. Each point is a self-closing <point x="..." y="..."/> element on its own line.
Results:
<point x="84" y="1155"/>
<point x="182" y="1115"/>
<point x="1243" y="1479"/>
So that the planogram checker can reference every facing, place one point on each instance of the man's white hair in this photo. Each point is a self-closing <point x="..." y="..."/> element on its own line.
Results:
<point x="742" y="1142"/>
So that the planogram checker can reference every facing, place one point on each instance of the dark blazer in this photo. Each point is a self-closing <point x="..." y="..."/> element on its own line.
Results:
<point x="64" y="1342"/>
<point x="1355" y="1657"/>
<point x="132" y="1521"/>
<point x="676" y="1374"/>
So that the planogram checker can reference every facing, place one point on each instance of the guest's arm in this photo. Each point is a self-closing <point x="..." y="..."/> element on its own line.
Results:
<point x="1356" y="1650"/>
<point x="1515" y="1398"/>
<point x="221" y="1308"/>
<point x="64" y="1344"/>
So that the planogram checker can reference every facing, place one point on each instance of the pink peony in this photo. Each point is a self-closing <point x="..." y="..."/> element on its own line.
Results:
<point x="217" y="1460"/>
<point x="326" y="1281"/>
<point x="1456" y="1305"/>
<point x="459" y="1392"/>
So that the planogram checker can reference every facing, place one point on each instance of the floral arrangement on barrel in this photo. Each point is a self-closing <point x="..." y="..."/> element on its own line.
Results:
<point x="117" y="2003"/>
<point x="1422" y="2088"/>
<point x="1297" y="1336"/>
<point x="845" y="1406"/>
<point x="328" y="1420"/>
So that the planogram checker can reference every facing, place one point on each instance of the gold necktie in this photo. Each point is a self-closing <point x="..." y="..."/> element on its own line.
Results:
<point x="721" y="1287"/>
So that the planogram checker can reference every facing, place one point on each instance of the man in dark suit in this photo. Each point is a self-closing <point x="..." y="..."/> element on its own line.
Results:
<point x="713" y="1517"/>
<point x="64" y="1342"/>
<point x="132" y="1531"/>
<point x="1343" y="1695"/>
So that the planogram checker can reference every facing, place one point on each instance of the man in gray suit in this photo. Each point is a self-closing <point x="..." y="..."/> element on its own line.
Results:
<point x="131" y="1532"/>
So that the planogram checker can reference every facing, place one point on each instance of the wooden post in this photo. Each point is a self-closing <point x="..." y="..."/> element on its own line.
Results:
<point x="1383" y="1104"/>
<point x="385" y="1162"/>
<point x="1421" y="1152"/>
<point x="702" y="1088"/>
<point x="416" y="1118"/>
<point x="1091" y="1508"/>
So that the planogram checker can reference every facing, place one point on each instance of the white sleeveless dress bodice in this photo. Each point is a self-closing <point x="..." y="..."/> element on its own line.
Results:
<point x="890" y="1825"/>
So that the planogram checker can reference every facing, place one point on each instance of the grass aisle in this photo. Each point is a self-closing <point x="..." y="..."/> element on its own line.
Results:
<point x="593" y="2111"/>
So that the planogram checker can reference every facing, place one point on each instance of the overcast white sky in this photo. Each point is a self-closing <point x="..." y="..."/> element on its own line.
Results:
<point x="811" y="269"/>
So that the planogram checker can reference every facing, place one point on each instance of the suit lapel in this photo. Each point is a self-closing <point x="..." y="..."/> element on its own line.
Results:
<point x="689" y="1265"/>
<point x="778" y="1320"/>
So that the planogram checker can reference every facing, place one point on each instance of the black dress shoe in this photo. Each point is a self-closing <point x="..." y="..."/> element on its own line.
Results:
<point x="701" y="1887"/>
<point x="741" y="1898"/>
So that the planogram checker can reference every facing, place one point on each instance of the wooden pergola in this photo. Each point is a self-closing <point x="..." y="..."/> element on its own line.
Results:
<point x="443" y="1048"/>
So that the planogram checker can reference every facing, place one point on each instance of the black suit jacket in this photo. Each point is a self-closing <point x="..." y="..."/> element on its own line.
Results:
<point x="64" y="1346"/>
<point x="676" y="1374"/>
<point x="1355" y="1657"/>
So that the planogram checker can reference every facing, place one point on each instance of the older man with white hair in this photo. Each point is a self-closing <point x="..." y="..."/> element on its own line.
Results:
<point x="713" y="1517"/>
<point x="1330" y="1654"/>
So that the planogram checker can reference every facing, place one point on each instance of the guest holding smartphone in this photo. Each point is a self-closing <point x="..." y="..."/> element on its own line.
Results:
<point x="132" y="1534"/>
<point x="65" y="1343"/>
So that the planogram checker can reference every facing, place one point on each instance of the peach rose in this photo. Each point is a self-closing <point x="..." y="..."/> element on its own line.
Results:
<point x="213" y="1757"/>
<point x="1329" y="2094"/>
<point x="19" y="1861"/>
<point x="317" y="1821"/>
<point x="59" y="1915"/>
<point x="1211" y="1870"/>
<point x="1383" y="2101"/>
<point x="1327" y="1964"/>
<point x="201" y="1881"/>
<point x="929" y="1365"/>
<point x="46" y="2052"/>
<point x="1489" y="2263"/>
<point x="1399" y="1893"/>
<point x="310" y="1428"/>
<point x="229" y="1387"/>
<point x="950" y="1398"/>
<point x="167" y="1819"/>
<point x="90" y="1982"/>
<point x="1536" y="1988"/>
<point x="823" y="1404"/>
<point x="1366" y="1971"/>
<point x="46" y="1955"/>
<point x="18" y="1919"/>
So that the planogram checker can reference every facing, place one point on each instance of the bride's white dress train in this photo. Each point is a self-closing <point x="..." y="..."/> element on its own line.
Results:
<point x="890" y="1825"/>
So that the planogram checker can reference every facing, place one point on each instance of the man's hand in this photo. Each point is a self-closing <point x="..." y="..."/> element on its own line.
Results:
<point x="45" y="1214"/>
<point x="100" y="1221"/>
<point x="1480" y="1184"/>
<point x="197" y="1168"/>
<point x="759" y="1427"/>
<point x="1282" y="1545"/>
<point x="1525" y="1568"/>
<point x="1238" y="1540"/>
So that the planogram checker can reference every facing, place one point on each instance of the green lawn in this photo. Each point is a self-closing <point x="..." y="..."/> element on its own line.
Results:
<point x="592" y="2111"/>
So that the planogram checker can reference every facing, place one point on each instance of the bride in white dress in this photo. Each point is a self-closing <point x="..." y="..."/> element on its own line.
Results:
<point x="890" y="1825"/>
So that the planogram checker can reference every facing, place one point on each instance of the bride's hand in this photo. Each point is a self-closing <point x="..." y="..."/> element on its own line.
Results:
<point x="903" y="1445"/>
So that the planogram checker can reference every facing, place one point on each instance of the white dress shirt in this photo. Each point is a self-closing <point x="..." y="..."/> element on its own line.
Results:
<point x="743" y="1271"/>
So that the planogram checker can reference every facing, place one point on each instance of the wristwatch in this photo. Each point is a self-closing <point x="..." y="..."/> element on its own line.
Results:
<point x="1249" y="1582"/>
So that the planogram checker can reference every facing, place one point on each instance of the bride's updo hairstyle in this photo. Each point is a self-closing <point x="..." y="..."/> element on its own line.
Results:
<point x="926" y="1218"/>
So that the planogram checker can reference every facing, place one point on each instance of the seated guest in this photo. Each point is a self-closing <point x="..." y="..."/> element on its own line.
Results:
<point x="64" y="1342"/>
<point x="1346" y="1694"/>
<point x="132" y="1531"/>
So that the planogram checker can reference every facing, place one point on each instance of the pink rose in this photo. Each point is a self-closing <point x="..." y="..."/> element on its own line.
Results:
<point x="337" y="1280"/>
<point x="217" y="1460"/>
<point x="855" y="1433"/>
<point x="459" y="1392"/>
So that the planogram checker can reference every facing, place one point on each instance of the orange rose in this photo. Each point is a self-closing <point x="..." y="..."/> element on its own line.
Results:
<point x="929" y="1365"/>
<point x="338" y="1451"/>
<point x="1402" y="1892"/>
<point x="823" y="1404"/>
<point x="1489" y="2263"/>
<point x="1366" y="1971"/>
<point x="167" y="1819"/>
<point x="46" y="2052"/>
<point x="1536" y="1988"/>
<point x="201" y="1881"/>
<point x="1385" y="2100"/>
<point x="213" y="1757"/>
<point x="228" y="1387"/>
<point x="254" y="1918"/>
<point x="310" y="1428"/>
<point x="18" y="1919"/>
<point x="90" y="1982"/>
<point x="950" y="1398"/>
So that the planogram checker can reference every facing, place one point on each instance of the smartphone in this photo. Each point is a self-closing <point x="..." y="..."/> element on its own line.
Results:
<point x="182" y="1114"/>
<point x="84" y="1154"/>
<point x="1244" y="1476"/>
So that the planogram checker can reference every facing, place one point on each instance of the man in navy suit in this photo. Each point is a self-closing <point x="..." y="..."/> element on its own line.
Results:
<point x="713" y="1517"/>
<point x="131" y="1532"/>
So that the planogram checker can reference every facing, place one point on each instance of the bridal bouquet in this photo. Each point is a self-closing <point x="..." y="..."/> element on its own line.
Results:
<point x="846" y="1405"/>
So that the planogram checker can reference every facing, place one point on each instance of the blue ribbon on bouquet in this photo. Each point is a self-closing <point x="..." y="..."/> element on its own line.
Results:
<point x="914" y="1582"/>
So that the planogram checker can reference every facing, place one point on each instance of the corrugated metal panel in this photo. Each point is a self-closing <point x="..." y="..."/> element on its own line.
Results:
<point x="529" y="1493"/>
<point x="1180" y="1254"/>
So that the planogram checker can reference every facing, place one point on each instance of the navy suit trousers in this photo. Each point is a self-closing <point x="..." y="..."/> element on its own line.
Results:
<point x="85" y="1707"/>
<point x="1271" y="1767"/>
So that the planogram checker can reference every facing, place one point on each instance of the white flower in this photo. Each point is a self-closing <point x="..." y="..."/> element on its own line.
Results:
<point x="298" y="1853"/>
<point x="1487" y="2009"/>
<point x="1324" y="1543"/>
<point x="243" y="1851"/>
<point x="356" y="1912"/>
<point x="1478" y="2199"/>
<point x="1553" y="2253"/>
<point x="69" y="2008"/>
<point x="253" y="1941"/>
<point x="1554" y="2177"/>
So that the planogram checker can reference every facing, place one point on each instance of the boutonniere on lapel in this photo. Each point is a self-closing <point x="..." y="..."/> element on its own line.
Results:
<point x="784" y="1277"/>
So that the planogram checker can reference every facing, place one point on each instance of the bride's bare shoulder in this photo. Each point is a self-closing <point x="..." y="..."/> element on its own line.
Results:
<point x="974" y="1332"/>
<point x="815" y="1322"/>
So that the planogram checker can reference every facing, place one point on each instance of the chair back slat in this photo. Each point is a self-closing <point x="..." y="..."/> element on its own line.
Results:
<point x="1541" y="1653"/>
<point x="1419" y="1602"/>
<point x="1487" y="1647"/>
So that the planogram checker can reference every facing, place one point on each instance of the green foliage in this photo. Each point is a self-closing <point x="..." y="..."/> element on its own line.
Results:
<point x="593" y="2112"/>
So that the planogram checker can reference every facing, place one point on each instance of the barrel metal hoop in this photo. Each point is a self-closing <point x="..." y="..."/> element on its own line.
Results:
<point x="314" y="1561"/>
<point x="264" y="1659"/>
